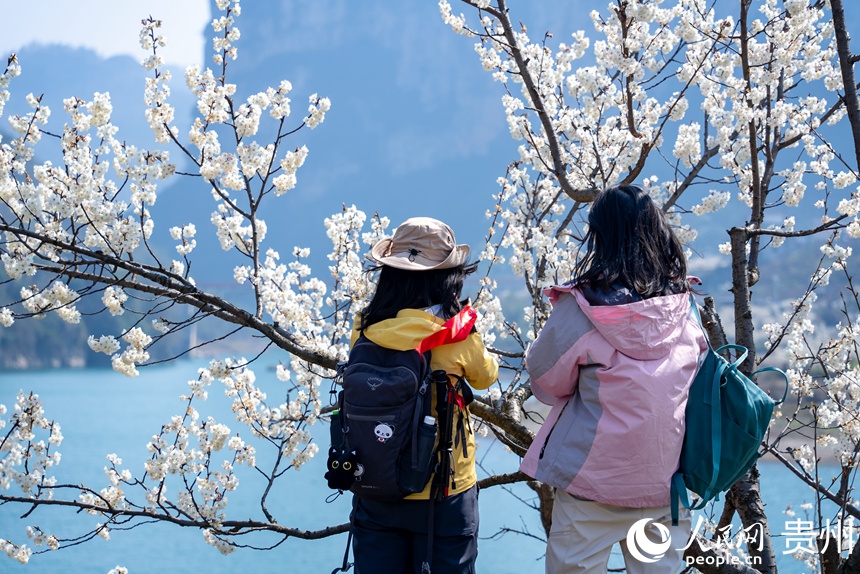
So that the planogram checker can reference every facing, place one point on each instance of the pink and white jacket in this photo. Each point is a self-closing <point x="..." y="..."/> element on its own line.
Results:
<point x="617" y="377"/>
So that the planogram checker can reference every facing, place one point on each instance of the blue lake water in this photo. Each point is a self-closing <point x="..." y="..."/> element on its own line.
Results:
<point x="103" y="412"/>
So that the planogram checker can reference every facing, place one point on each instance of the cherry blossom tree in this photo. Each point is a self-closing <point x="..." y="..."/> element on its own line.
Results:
<point x="83" y="229"/>
<point x="704" y="108"/>
<point x="730" y="114"/>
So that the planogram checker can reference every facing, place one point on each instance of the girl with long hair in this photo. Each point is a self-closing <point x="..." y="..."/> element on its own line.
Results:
<point x="615" y="361"/>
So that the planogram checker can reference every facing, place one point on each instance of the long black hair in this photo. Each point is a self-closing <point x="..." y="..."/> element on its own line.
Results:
<point x="629" y="242"/>
<point x="398" y="289"/>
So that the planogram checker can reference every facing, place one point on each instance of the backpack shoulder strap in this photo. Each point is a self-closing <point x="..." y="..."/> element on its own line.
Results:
<point x="677" y="488"/>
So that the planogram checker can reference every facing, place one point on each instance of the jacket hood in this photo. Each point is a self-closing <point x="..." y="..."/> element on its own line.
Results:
<point x="403" y="332"/>
<point x="643" y="330"/>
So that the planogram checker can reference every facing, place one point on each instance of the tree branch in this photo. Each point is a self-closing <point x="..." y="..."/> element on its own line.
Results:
<point x="846" y="66"/>
<point x="228" y="527"/>
<point x="174" y="287"/>
<point x="559" y="168"/>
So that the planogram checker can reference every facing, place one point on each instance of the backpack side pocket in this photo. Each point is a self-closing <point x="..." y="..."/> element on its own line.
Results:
<point x="415" y="471"/>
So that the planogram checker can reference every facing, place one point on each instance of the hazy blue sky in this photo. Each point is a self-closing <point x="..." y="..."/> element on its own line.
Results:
<point x="110" y="27"/>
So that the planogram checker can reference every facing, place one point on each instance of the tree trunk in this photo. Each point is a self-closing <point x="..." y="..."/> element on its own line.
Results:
<point x="846" y="66"/>
<point x="745" y="497"/>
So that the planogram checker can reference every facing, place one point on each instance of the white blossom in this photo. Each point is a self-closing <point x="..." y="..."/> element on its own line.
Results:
<point x="317" y="110"/>
<point x="7" y="318"/>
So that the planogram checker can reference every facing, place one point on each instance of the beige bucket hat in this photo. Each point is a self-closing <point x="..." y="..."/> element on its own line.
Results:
<point x="420" y="244"/>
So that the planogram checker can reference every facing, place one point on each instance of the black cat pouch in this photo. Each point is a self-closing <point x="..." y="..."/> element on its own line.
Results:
<point x="342" y="463"/>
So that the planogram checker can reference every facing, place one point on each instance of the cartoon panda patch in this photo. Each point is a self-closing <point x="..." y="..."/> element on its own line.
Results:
<point x="383" y="432"/>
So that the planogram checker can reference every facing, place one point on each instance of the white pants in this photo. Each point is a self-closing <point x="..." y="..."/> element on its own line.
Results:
<point x="583" y="534"/>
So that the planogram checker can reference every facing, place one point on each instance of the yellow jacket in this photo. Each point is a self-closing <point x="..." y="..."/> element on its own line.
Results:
<point x="468" y="358"/>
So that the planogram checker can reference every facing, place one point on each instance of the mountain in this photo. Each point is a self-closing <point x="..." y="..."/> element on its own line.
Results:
<point x="416" y="126"/>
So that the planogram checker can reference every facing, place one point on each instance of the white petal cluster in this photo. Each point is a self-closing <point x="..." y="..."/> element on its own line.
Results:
<point x="223" y="546"/>
<point x="838" y="393"/>
<point x="186" y="234"/>
<point x="159" y="113"/>
<point x="285" y="423"/>
<point x="832" y="249"/>
<point x="177" y="268"/>
<point x="351" y="289"/>
<point x="715" y="201"/>
<point x="457" y="23"/>
<point x="787" y="226"/>
<point x="255" y="160"/>
<point x="184" y="448"/>
<point x="292" y="297"/>
<point x="317" y="110"/>
<point x="27" y="449"/>
<point x="135" y="352"/>
<point x="161" y="325"/>
<point x="280" y="103"/>
<point x="149" y="36"/>
<point x="18" y="263"/>
<point x="794" y="188"/>
<point x="247" y="119"/>
<point x="850" y="206"/>
<point x="214" y="435"/>
<point x="39" y="538"/>
<point x="226" y="32"/>
<point x="76" y="202"/>
<point x="232" y="233"/>
<point x="20" y="553"/>
<point x="57" y="297"/>
<point x="292" y="161"/>
<point x="212" y="96"/>
<point x="844" y="179"/>
<point x="184" y="453"/>
<point x="106" y="344"/>
<point x="12" y="70"/>
<point x="113" y="299"/>
<point x="688" y="146"/>
<point x="238" y="170"/>
<point x="526" y="234"/>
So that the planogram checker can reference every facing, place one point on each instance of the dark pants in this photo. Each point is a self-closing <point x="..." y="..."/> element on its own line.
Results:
<point x="391" y="537"/>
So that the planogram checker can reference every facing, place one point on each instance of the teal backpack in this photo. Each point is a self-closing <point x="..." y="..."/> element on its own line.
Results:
<point x="727" y="417"/>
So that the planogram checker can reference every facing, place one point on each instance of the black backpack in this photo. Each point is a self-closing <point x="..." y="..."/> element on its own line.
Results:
<point x="383" y="433"/>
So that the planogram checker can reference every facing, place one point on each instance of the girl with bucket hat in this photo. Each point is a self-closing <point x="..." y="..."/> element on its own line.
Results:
<point x="421" y="272"/>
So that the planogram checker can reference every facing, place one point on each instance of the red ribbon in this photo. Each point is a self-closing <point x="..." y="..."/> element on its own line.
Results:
<point x="454" y="330"/>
